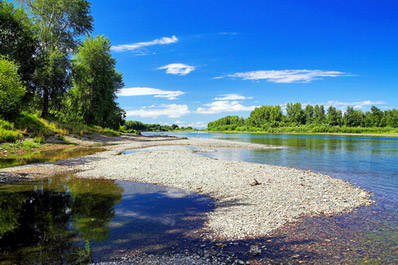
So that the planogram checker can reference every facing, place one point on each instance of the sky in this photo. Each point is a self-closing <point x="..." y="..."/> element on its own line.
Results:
<point x="192" y="62"/>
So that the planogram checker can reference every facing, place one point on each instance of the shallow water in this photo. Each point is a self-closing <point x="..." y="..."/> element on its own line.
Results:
<point x="46" y="156"/>
<point x="66" y="220"/>
<point x="369" y="162"/>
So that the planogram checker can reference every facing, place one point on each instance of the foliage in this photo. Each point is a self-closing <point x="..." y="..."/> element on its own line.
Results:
<point x="311" y="119"/>
<point x="58" y="25"/>
<point x="19" y="44"/>
<point x="9" y="135"/>
<point x="11" y="90"/>
<point x="138" y="126"/>
<point x="95" y="83"/>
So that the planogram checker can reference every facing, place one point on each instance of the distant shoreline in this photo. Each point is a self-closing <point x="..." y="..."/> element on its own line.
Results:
<point x="311" y="133"/>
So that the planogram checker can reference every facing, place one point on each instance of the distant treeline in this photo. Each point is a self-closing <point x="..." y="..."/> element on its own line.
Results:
<point x="139" y="126"/>
<point x="310" y="119"/>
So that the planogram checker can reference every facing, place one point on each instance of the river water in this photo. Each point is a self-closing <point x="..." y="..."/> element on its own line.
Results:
<point x="368" y="162"/>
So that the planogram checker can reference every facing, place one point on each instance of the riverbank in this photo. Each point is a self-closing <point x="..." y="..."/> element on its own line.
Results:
<point x="313" y="133"/>
<point x="252" y="199"/>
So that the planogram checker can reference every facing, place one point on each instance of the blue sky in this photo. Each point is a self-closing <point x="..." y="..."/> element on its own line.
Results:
<point x="191" y="62"/>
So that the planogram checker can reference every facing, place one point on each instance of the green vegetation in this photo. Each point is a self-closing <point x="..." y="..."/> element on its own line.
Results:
<point x="52" y="83"/>
<point x="311" y="119"/>
<point x="11" y="89"/>
<point x="139" y="127"/>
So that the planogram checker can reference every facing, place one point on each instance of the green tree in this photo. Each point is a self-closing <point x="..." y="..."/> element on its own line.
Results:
<point x="295" y="113"/>
<point x="11" y="90"/>
<point x="265" y="115"/>
<point x="309" y="114"/>
<point x="19" y="44"/>
<point x="319" y="114"/>
<point x="334" y="116"/>
<point x="95" y="83"/>
<point x="59" y="24"/>
<point x="353" y="118"/>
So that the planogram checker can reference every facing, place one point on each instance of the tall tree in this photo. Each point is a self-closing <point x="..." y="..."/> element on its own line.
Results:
<point x="295" y="113"/>
<point x="95" y="83"/>
<point x="334" y="116"/>
<point x="59" y="25"/>
<point x="11" y="90"/>
<point x="319" y="114"/>
<point x="309" y="114"/>
<point x="19" y="44"/>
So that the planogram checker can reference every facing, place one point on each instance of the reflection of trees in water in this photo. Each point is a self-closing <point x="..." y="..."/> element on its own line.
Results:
<point x="48" y="221"/>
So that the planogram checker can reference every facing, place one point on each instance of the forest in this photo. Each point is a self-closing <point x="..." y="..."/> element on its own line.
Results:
<point x="53" y="70"/>
<point x="310" y="118"/>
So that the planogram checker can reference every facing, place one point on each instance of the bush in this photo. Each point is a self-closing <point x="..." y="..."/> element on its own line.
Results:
<point x="9" y="136"/>
<point x="6" y="125"/>
<point x="11" y="90"/>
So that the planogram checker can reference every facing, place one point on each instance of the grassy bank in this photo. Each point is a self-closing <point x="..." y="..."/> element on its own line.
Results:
<point x="28" y="133"/>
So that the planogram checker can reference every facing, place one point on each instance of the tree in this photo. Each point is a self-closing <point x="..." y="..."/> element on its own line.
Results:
<point x="319" y="114"/>
<point x="95" y="83"/>
<point x="309" y="114"/>
<point x="59" y="25"/>
<point x="19" y="44"/>
<point x="334" y="116"/>
<point x="11" y="90"/>
<point x="295" y="113"/>
<point x="353" y="118"/>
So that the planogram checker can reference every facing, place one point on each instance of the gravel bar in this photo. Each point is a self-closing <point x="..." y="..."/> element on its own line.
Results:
<point x="251" y="199"/>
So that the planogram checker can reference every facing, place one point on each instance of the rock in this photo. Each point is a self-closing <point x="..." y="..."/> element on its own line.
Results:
<point x="254" y="250"/>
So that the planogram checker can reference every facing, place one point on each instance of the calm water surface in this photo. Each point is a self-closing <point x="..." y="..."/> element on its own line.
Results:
<point x="66" y="220"/>
<point x="369" y="162"/>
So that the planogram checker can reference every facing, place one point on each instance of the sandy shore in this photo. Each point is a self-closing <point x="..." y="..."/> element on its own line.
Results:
<point x="242" y="209"/>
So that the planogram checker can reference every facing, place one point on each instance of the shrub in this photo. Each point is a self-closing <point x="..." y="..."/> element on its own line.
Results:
<point x="11" y="90"/>
<point x="9" y="136"/>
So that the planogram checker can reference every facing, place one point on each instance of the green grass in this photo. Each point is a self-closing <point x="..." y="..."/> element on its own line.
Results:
<point x="8" y="135"/>
<point x="32" y="126"/>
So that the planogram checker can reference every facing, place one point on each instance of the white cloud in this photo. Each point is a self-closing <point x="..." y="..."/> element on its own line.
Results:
<point x="232" y="97"/>
<point x="171" y="111"/>
<point x="148" y="91"/>
<point x="286" y="76"/>
<point x="138" y="45"/>
<point x="177" y="68"/>
<point x="197" y="125"/>
<point x="223" y="106"/>
<point x="355" y="104"/>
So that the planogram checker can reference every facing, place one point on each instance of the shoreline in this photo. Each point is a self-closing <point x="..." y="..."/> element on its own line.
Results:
<point x="242" y="210"/>
<point x="392" y="135"/>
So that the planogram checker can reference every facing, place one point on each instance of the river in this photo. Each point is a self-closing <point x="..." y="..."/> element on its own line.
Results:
<point x="368" y="162"/>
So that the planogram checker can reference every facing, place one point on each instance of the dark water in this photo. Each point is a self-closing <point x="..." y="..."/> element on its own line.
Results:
<point x="369" y="162"/>
<point x="66" y="220"/>
<point x="45" y="156"/>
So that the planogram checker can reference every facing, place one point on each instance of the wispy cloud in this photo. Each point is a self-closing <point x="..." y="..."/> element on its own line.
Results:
<point x="286" y="76"/>
<point x="355" y="104"/>
<point x="232" y="97"/>
<point x="341" y="104"/>
<point x="148" y="91"/>
<point x="177" y="68"/>
<point x="138" y="45"/>
<point x="223" y="106"/>
<point x="171" y="111"/>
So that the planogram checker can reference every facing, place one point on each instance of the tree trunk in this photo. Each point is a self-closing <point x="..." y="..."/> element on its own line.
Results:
<point x="44" y="113"/>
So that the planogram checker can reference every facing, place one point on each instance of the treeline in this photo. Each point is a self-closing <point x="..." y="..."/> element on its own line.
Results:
<point x="46" y="69"/>
<point x="139" y="126"/>
<point x="309" y="119"/>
